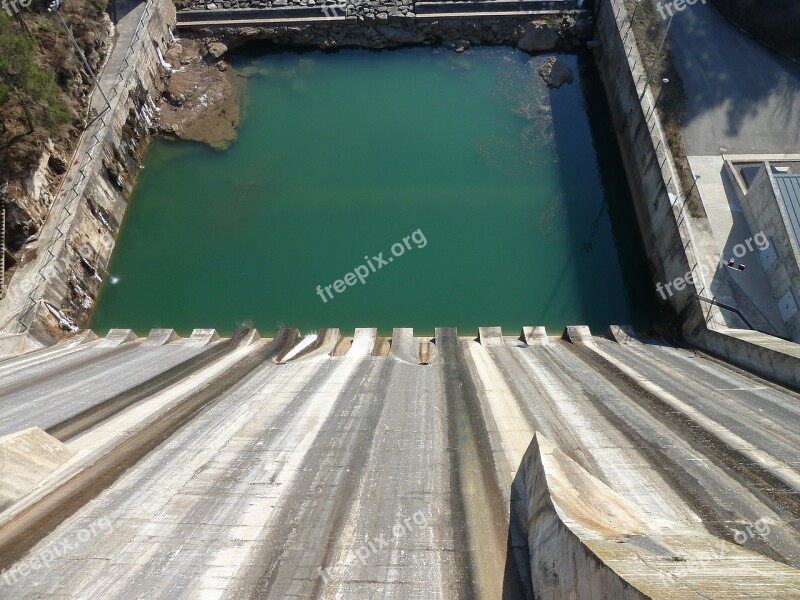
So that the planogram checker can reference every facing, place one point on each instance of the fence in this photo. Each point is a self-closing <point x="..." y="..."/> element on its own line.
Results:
<point x="86" y="167"/>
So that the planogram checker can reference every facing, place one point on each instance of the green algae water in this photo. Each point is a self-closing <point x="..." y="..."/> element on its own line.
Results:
<point x="517" y="191"/>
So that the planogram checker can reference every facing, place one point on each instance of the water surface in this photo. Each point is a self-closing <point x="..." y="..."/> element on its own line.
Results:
<point x="518" y="191"/>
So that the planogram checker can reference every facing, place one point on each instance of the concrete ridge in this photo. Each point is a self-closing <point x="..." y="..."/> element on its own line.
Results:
<point x="588" y="541"/>
<point x="116" y="337"/>
<point x="403" y="346"/>
<point x="490" y="336"/>
<point x="622" y="334"/>
<point x="202" y="337"/>
<point x="159" y="337"/>
<point x="26" y="458"/>
<point x="577" y="334"/>
<point x="534" y="336"/>
<point x="752" y="461"/>
<point x="322" y="343"/>
<point x="403" y="343"/>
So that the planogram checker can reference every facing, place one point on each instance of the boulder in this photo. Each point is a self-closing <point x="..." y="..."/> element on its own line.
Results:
<point x="57" y="163"/>
<point x="538" y="39"/>
<point x="555" y="73"/>
<point x="216" y="50"/>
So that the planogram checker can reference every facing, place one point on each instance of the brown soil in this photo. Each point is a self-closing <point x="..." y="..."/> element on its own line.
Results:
<point x="20" y="151"/>
<point x="648" y="29"/>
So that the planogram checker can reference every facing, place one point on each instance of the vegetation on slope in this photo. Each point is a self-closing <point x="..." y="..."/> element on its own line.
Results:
<point x="44" y="94"/>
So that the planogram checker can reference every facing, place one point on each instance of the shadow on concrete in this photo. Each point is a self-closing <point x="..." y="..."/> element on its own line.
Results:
<point x="119" y="9"/>
<point x="741" y="95"/>
<point x="517" y="573"/>
<point x="750" y="287"/>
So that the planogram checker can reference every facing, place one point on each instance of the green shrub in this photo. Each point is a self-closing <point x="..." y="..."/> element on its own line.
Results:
<point x="23" y="81"/>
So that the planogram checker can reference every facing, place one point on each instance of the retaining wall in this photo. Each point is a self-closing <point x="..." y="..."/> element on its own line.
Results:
<point x="674" y="240"/>
<point x="371" y="26"/>
<point x="90" y="206"/>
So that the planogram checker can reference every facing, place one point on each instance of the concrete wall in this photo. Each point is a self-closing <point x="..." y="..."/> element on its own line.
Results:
<point x="765" y="212"/>
<point x="562" y="564"/>
<point x="559" y="30"/>
<point x="647" y="159"/>
<point x="95" y="199"/>
<point x="586" y="541"/>
<point x="674" y="241"/>
<point x="26" y="458"/>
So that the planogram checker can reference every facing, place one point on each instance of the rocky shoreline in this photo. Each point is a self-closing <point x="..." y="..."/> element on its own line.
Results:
<point x="391" y="25"/>
<point x="201" y="103"/>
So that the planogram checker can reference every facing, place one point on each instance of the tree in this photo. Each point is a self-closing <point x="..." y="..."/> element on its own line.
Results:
<point x="23" y="80"/>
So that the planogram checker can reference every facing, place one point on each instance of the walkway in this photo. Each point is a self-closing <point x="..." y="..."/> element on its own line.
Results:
<point x="743" y="98"/>
<point x="27" y="279"/>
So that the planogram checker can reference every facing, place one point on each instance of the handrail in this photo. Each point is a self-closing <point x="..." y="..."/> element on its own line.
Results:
<point x="739" y="314"/>
<point x="75" y="191"/>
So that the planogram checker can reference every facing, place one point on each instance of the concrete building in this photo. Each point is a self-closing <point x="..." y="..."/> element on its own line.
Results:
<point x="769" y="194"/>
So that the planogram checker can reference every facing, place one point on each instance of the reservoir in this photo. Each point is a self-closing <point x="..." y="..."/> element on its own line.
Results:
<point x="498" y="201"/>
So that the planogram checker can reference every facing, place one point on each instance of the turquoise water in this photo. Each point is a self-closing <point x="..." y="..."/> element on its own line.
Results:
<point x="517" y="191"/>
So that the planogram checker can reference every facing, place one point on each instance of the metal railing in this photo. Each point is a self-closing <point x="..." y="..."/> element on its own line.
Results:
<point x="739" y="314"/>
<point x="76" y="188"/>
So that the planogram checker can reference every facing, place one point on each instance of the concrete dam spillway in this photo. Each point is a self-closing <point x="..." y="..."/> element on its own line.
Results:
<point x="342" y="466"/>
<point x="179" y="420"/>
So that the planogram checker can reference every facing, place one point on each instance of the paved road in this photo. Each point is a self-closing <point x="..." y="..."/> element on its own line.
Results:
<point x="741" y="95"/>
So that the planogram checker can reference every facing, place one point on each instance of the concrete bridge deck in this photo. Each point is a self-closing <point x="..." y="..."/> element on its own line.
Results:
<point x="360" y="466"/>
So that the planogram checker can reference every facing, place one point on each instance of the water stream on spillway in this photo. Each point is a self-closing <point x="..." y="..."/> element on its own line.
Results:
<point x="456" y="189"/>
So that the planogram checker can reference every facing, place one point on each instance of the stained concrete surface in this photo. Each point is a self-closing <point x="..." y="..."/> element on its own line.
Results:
<point x="363" y="476"/>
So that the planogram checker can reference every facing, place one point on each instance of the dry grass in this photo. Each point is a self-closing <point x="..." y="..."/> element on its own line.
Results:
<point x="20" y="150"/>
<point x="648" y="30"/>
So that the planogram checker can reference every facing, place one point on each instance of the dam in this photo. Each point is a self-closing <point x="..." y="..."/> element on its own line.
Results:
<point x="246" y="440"/>
<point x="292" y="466"/>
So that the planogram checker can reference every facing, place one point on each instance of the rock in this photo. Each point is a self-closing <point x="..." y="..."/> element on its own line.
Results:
<point x="396" y="35"/>
<point x="222" y="65"/>
<point x="216" y="49"/>
<point x="58" y="164"/>
<point x="456" y="46"/>
<point x="538" y="39"/>
<point x="382" y="18"/>
<point x="174" y="99"/>
<point x="555" y="73"/>
<point x="211" y="6"/>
